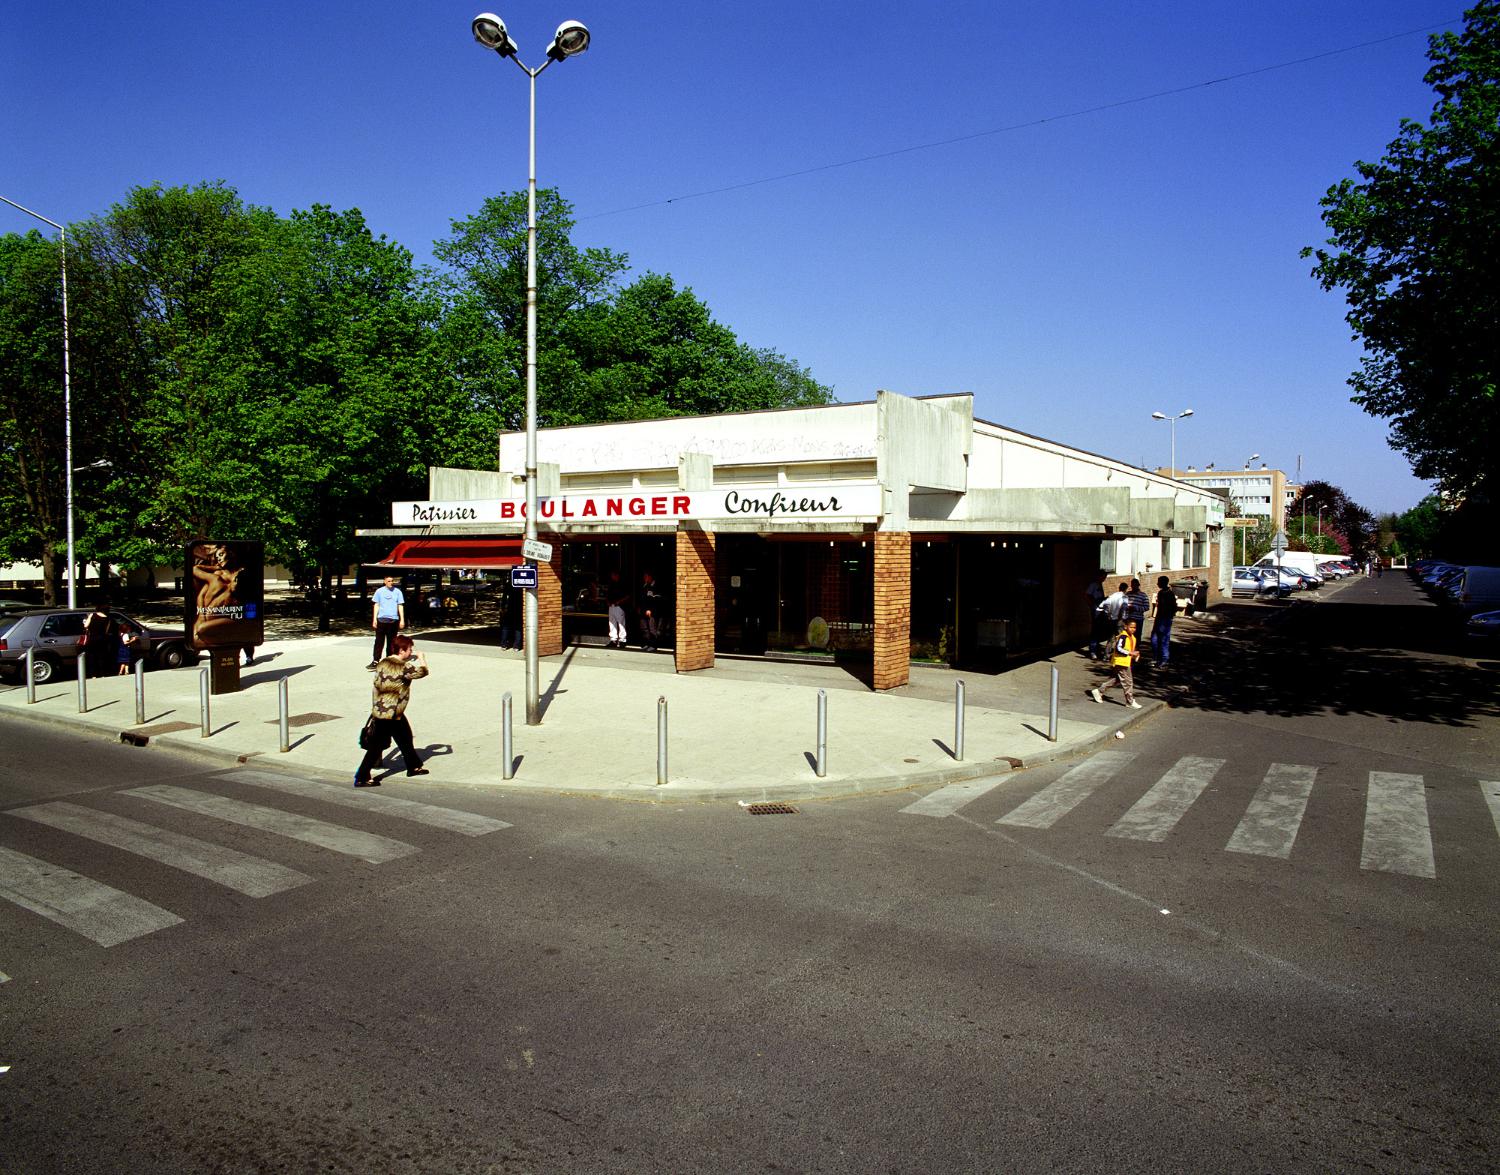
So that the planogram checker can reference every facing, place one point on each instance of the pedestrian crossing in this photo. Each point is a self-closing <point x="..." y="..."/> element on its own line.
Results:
<point x="108" y="916"/>
<point x="1396" y="835"/>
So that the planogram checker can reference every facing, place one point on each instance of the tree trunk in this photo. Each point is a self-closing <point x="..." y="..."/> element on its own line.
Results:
<point x="52" y="585"/>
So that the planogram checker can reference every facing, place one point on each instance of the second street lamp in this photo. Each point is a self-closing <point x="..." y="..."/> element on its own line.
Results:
<point x="1174" y="420"/>
<point x="570" y="39"/>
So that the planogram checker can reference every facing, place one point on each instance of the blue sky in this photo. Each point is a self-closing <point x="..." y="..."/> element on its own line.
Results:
<point x="1075" y="274"/>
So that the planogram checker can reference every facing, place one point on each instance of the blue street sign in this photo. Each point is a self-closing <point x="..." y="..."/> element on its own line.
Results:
<point x="523" y="575"/>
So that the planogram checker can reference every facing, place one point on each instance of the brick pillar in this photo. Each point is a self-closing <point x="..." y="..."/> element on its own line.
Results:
<point x="549" y="634"/>
<point x="694" y="611"/>
<point x="892" y="609"/>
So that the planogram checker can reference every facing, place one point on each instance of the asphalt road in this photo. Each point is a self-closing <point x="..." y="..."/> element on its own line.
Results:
<point x="1067" y="968"/>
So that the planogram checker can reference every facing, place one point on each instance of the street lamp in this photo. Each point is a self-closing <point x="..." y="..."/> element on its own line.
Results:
<point x="62" y="235"/>
<point x="1174" y="420"/>
<point x="570" y="39"/>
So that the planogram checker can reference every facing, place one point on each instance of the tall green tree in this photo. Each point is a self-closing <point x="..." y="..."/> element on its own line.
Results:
<point x="1414" y="246"/>
<point x="1325" y="516"/>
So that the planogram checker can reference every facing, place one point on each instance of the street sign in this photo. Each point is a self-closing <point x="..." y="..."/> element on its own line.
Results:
<point x="532" y="549"/>
<point x="523" y="575"/>
<point x="1279" y="543"/>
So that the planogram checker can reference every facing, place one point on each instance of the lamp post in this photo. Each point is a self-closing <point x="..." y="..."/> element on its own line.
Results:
<point x="62" y="235"/>
<point x="1174" y="420"/>
<point x="570" y="39"/>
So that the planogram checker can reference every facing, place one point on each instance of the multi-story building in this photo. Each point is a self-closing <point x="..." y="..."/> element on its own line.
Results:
<point x="1257" y="493"/>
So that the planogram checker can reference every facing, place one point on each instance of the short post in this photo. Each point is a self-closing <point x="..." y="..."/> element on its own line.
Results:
<point x="284" y="714"/>
<point x="822" y="763"/>
<point x="83" y="686"/>
<point x="1052" y="709"/>
<point x="203" y="702"/>
<point x="958" y="721"/>
<point x="139" y="669"/>
<point x="30" y="677"/>
<point x="661" y="740"/>
<point x="507" y="746"/>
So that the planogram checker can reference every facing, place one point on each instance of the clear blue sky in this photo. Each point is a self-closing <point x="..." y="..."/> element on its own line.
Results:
<point x="1074" y="274"/>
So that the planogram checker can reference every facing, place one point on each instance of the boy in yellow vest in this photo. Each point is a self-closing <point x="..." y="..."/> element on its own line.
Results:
<point x="1122" y="656"/>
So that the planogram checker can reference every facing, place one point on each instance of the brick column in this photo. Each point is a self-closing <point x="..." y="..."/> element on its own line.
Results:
<point x="549" y="640"/>
<point x="892" y="609"/>
<point x="694" y="611"/>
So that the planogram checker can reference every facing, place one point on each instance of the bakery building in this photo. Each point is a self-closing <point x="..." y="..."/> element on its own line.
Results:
<point x="880" y="533"/>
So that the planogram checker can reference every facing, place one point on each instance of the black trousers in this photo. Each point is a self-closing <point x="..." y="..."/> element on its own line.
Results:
<point x="385" y="634"/>
<point x="385" y="730"/>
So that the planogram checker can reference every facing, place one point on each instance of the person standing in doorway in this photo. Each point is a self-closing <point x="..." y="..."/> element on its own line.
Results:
<point x="512" y="604"/>
<point x="649" y="607"/>
<point x="1163" y="612"/>
<point x="1123" y="655"/>
<point x="1098" y="623"/>
<point x="387" y="618"/>
<point x="616" y="596"/>
<point x="391" y="692"/>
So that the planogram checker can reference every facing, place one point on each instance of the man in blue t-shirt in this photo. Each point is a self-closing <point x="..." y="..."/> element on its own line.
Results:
<point x="387" y="618"/>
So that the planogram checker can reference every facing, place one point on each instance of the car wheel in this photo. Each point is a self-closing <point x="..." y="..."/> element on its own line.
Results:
<point x="172" y="656"/>
<point x="43" y="669"/>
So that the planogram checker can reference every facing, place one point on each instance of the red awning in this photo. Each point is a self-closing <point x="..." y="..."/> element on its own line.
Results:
<point x="446" y="554"/>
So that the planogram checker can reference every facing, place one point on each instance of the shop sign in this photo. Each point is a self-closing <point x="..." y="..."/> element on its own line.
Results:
<point x="758" y="503"/>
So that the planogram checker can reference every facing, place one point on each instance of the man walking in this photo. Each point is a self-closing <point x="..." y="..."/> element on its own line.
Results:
<point x="387" y="618"/>
<point x="1163" y="612"/>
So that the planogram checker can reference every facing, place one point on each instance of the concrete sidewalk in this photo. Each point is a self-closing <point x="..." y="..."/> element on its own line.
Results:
<point x="744" y="730"/>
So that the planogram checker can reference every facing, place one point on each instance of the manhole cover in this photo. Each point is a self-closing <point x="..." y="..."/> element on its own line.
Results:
<point x="771" y="809"/>
<point x="161" y="728"/>
<point x="305" y="719"/>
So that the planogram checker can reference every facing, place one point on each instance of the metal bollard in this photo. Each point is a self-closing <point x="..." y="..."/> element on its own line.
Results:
<point x="507" y="747"/>
<point x="203" y="703"/>
<point x="30" y="678"/>
<point x="284" y="714"/>
<point x="661" y="740"/>
<point x="1052" y="709"/>
<point x="140" y="691"/>
<point x="83" y="686"/>
<point x="822" y="765"/>
<point x="958" y="721"/>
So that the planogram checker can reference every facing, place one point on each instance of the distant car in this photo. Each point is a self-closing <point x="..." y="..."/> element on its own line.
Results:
<point x="1253" y="583"/>
<point x="54" y="636"/>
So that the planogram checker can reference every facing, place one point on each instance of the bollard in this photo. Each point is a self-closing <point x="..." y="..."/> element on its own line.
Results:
<point x="284" y="714"/>
<point x="822" y="765"/>
<point x="661" y="740"/>
<point x="30" y="678"/>
<point x="507" y="749"/>
<point x="203" y="702"/>
<point x="140" y="690"/>
<point x="83" y="686"/>
<point x="958" y="721"/>
<point x="1052" y="709"/>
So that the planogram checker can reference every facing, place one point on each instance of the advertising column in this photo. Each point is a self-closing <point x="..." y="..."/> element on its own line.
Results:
<point x="224" y="593"/>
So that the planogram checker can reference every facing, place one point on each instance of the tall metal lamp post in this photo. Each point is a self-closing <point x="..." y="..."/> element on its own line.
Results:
<point x="62" y="234"/>
<point x="1174" y="420"/>
<point x="570" y="40"/>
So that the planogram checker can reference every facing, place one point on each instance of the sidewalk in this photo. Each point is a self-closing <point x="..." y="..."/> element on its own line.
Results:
<point x="744" y="730"/>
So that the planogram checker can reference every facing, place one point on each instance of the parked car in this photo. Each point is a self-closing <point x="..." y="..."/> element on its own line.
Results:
<point x="1484" y="627"/>
<point x="1254" y="583"/>
<point x="54" y="635"/>
<point x="1477" y="589"/>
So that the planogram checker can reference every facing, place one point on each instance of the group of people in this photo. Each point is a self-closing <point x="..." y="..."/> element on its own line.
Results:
<point x="1117" y="620"/>
<point x="109" y="647"/>
<point x="649" y="605"/>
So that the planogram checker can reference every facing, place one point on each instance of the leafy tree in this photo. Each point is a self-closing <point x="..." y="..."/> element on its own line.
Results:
<point x="1419" y="529"/>
<point x="1347" y="527"/>
<point x="1413" y="246"/>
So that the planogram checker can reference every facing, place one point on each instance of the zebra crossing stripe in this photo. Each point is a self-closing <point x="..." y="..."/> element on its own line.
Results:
<point x="349" y="841"/>
<point x="948" y="800"/>
<point x="1060" y="797"/>
<point x="87" y="907"/>
<point x="223" y="866"/>
<point x="1156" y="813"/>
<point x="1397" y="836"/>
<point x="1491" y="790"/>
<point x="465" y="823"/>
<point x="1270" y="823"/>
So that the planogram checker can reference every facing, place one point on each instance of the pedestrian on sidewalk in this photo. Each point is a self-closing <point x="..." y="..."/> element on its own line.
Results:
<point x="1097" y="634"/>
<point x="391" y="692"/>
<point x="1163" y="612"/>
<point x="1137" y="604"/>
<point x="101" y="642"/>
<point x="512" y="604"/>
<point x="1112" y="611"/>
<point x="649" y="607"/>
<point x="387" y="618"/>
<point x="1122" y="657"/>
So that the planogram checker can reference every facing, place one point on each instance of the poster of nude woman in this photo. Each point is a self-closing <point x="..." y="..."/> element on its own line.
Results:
<point x="225" y="593"/>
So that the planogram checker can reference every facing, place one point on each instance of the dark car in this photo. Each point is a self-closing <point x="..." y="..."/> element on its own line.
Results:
<point x="54" y="635"/>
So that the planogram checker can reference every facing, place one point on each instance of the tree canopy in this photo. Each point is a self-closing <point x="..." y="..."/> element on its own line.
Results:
<point x="1414" y="244"/>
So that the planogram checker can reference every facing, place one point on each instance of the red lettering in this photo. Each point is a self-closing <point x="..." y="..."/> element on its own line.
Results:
<point x="507" y="509"/>
<point x="613" y="507"/>
<point x="682" y="504"/>
<point x="658" y="505"/>
<point x="589" y="509"/>
<point x="567" y="511"/>
<point x="637" y="506"/>
<point x="549" y="508"/>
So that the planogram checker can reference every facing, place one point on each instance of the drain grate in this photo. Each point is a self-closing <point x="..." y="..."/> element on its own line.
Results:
<point x="771" y="809"/>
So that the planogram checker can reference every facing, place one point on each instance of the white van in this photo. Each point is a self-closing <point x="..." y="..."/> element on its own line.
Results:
<point x="1304" y="563"/>
<point x="1479" y="590"/>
